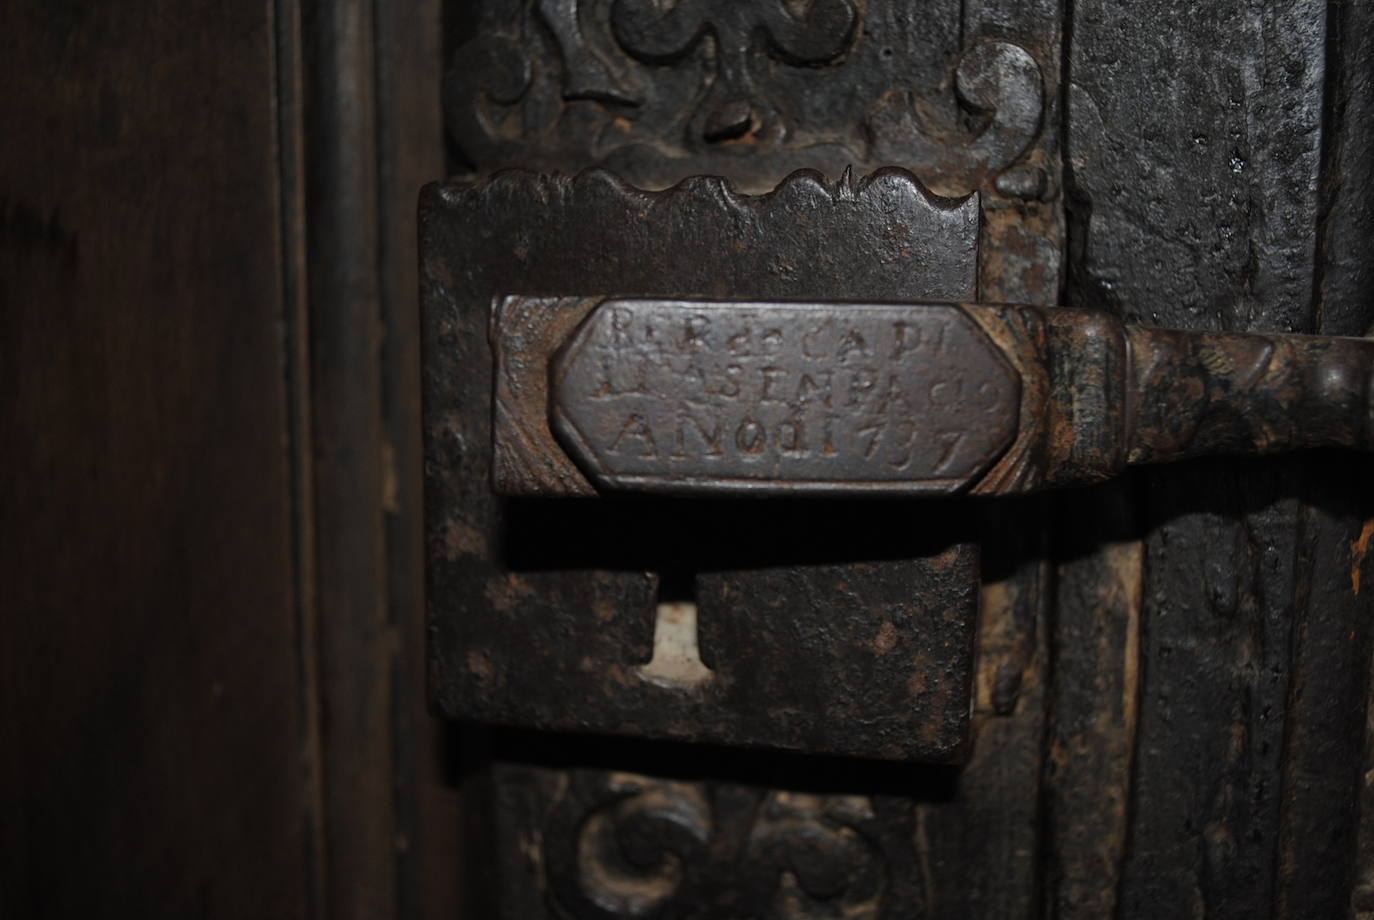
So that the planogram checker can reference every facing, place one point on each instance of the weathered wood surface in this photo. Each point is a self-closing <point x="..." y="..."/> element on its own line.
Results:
<point x="1348" y="281"/>
<point x="1195" y="177"/>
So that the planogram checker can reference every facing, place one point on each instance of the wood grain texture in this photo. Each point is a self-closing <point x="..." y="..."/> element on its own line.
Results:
<point x="372" y="137"/>
<point x="151" y="729"/>
<point x="355" y="642"/>
<point x="430" y="806"/>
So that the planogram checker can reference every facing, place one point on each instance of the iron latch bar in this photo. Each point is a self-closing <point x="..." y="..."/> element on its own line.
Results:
<point x="762" y="398"/>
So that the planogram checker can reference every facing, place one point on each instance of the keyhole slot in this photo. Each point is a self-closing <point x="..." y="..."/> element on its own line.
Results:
<point x="676" y="660"/>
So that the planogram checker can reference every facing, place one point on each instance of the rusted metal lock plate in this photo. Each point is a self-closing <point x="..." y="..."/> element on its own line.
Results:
<point x="666" y="396"/>
<point x="824" y="626"/>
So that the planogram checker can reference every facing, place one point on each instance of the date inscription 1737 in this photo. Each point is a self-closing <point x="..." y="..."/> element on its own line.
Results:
<point x="692" y="396"/>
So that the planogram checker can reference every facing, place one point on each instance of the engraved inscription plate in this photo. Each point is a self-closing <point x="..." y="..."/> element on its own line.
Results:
<point x="685" y="396"/>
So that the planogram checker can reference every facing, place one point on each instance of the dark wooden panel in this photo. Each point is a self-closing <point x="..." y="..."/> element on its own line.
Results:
<point x="152" y="748"/>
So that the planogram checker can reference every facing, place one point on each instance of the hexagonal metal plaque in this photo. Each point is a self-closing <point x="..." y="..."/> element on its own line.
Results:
<point x="702" y="396"/>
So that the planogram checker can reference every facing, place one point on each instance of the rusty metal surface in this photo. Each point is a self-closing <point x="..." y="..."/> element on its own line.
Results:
<point x="820" y="626"/>
<point x="525" y="333"/>
<point x="697" y="397"/>
<point x="721" y="87"/>
<point x="731" y="840"/>
<point x="677" y="396"/>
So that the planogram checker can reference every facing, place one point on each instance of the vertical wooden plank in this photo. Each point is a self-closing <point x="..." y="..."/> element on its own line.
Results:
<point x="374" y="136"/>
<point x="150" y="726"/>
<point x="290" y="92"/>
<point x="410" y="153"/>
<point x="355" y="638"/>
<point x="1095" y="641"/>
<point x="993" y="817"/>
<point x="1324" y="754"/>
<point x="1192" y="160"/>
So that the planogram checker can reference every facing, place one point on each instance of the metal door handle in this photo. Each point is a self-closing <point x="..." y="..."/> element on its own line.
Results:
<point x="688" y="397"/>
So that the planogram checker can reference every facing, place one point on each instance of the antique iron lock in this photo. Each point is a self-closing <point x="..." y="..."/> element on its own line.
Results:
<point x="1155" y="688"/>
<point x="821" y="376"/>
